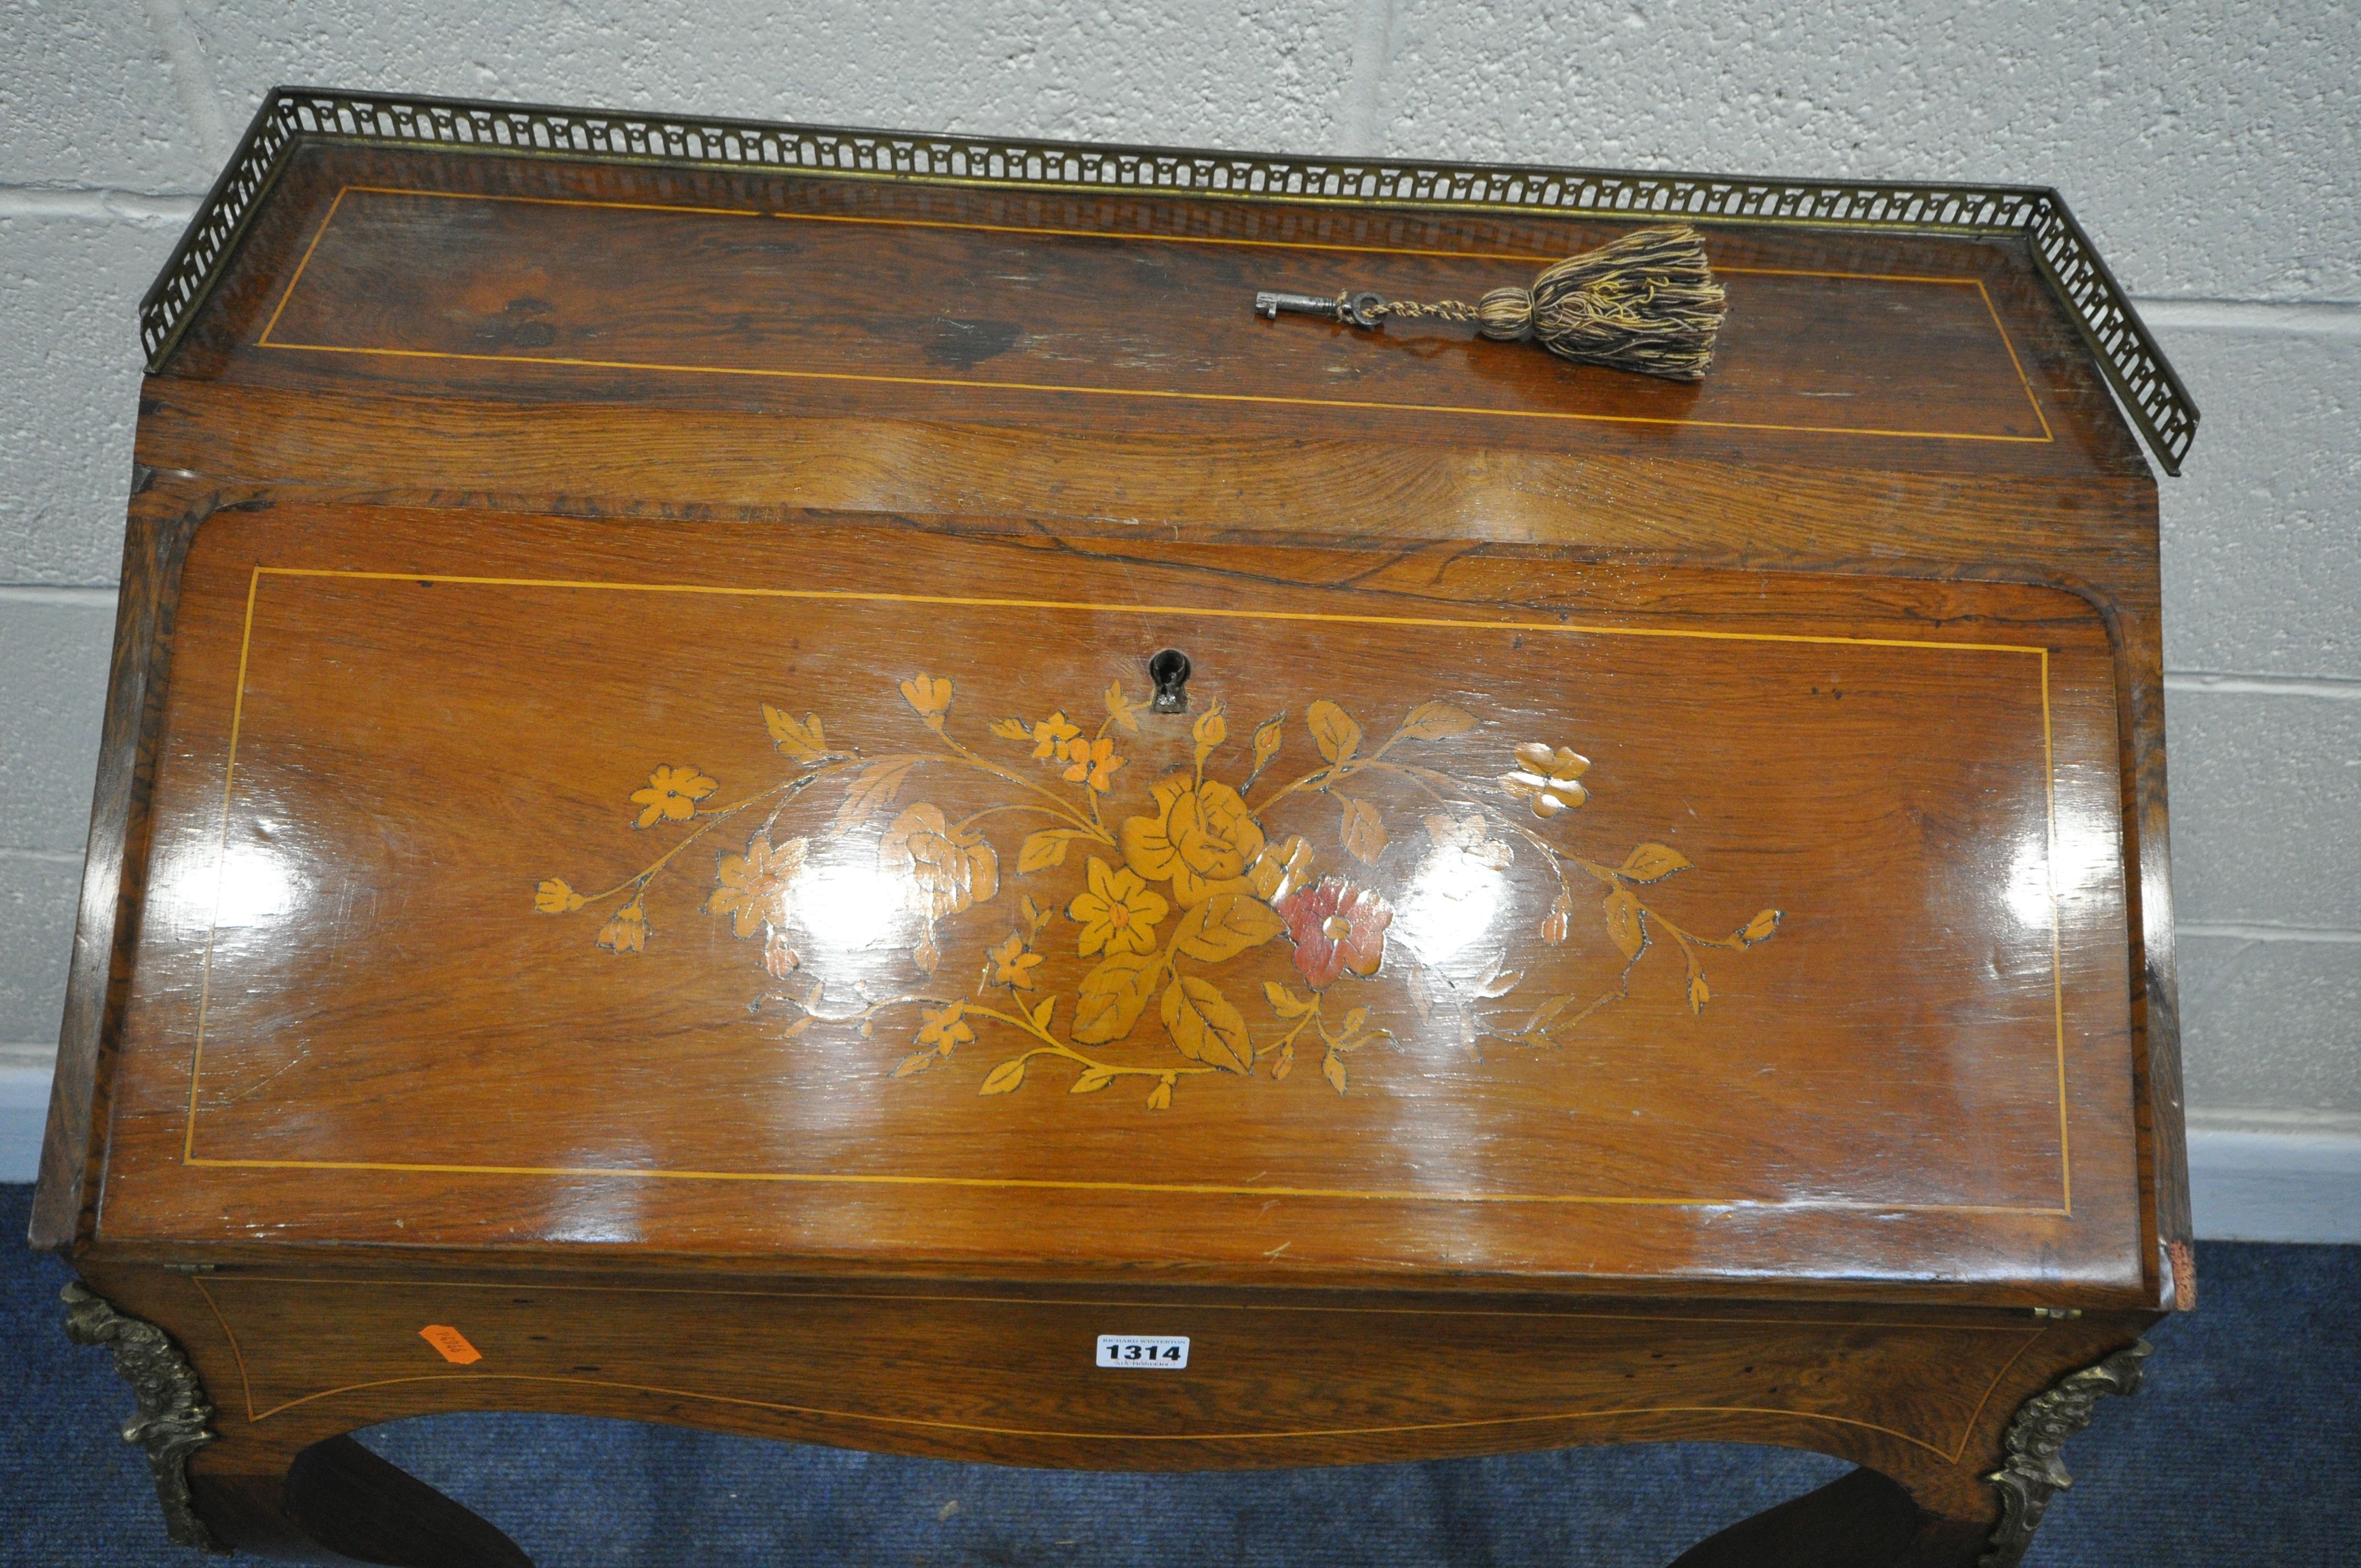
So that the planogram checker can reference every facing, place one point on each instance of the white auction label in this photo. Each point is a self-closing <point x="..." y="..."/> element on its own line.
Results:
<point x="1170" y="1352"/>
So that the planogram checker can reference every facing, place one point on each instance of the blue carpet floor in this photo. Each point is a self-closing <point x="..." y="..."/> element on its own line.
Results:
<point x="2244" y="1449"/>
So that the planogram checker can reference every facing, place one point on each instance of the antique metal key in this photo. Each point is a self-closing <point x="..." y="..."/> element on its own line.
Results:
<point x="1353" y="310"/>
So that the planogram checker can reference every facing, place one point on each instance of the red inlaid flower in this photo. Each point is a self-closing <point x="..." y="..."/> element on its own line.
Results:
<point x="1338" y="928"/>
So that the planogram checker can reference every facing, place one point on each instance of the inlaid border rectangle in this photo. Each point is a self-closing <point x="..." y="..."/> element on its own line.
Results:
<point x="265" y="339"/>
<point x="2063" y="1209"/>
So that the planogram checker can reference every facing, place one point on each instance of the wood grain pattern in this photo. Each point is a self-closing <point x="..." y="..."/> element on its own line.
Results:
<point x="1980" y="354"/>
<point x="1004" y="307"/>
<point x="1014" y="1377"/>
<point x="1002" y="1374"/>
<point x="368" y="819"/>
<point x="1809" y="1202"/>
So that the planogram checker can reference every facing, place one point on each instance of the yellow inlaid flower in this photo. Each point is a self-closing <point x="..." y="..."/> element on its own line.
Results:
<point x="554" y="897"/>
<point x="754" y="886"/>
<point x="1545" y="779"/>
<point x="945" y="1029"/>
<point x="627" y="930"/>
<point x="1093" y="761"/>
<point x="1200" y="836"/>
<point x="1012" y="966"/>
<point x="946" y="868"/>
<point x="931" y="694"/>
<point x="671" y="792"/>
<point x="1119" y="912"/>
<point x="1050" y="735"/>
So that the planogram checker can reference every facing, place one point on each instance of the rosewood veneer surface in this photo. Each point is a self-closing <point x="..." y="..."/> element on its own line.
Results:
<point x="633" y="833"/>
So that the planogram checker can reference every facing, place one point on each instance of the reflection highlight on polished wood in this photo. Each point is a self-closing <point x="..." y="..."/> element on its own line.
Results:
<point x="1236" y="885"/>
<point x="814" y="818"/>
<point x="774" y="801"/>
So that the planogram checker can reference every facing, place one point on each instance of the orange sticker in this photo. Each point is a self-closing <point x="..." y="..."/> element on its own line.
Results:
<point x="451" y="1343"/>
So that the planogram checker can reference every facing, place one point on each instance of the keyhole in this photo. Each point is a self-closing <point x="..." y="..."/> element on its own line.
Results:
<point x="1169" y="671"/>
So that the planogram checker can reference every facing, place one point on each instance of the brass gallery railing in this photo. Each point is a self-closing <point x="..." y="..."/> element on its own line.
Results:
<point x="2152" y="395"/>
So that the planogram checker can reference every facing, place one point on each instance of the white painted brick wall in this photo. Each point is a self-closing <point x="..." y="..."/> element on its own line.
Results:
<point x="2212" y="148"/>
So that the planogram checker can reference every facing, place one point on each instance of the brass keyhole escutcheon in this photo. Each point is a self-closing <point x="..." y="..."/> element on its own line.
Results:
<point x="1170" y="672"/>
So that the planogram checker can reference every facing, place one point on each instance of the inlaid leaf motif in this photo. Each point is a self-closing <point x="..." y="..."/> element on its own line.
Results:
<point x="1160" y="1097"/>
<point x="1500" y="982"/>
<point x="1041" y="1015"/>
<point x="1698" y="994"/>
<point x="1654" y="862"/>
<point x="1436" y="721"/>
<point x="1205" y="1027"/>
<point x="1004" y="1079"/>
<point x="1113" y="995"/>
<point x="1363" y="830"/>
<point x="1225" y="925"/>
<point x="873" y="789"/>
<point x="915" y="1063"/>
<point x="1762" y="927"/>
<point x="1331" y="1067"/>
<point x="1285" y="1003"/>
<point x="1623" y="922"/>
<point x="1046" y="849"/>
<point x="1334" y="732"/>
<point x="801" y="739"/>
<point x="1090" y="1080"/>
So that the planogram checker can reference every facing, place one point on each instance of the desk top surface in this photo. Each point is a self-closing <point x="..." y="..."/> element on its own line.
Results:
<point x="517" y="281"/>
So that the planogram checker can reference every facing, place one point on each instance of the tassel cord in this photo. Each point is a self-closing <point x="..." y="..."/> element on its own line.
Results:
<point x="1647" y="303"/>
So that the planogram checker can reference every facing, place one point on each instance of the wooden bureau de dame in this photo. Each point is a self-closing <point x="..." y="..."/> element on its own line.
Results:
<point x="802" y="781"/>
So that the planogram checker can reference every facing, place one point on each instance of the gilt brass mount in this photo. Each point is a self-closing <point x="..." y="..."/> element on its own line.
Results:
<point x="170" y="1423"/>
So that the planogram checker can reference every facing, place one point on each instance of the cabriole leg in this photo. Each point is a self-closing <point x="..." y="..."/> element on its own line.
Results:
<point x="333" y="1502"/>
<point x="339" y="1503"/>
<point x="1870" y="1520"/>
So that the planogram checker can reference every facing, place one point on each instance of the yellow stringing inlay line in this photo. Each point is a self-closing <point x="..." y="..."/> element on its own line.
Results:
<point x="1967" y="1427"/>
<point x="189" y="1155"/>
<point x="264" y="339"/>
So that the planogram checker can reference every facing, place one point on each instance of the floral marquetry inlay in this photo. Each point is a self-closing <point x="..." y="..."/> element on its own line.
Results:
<point x="1156" y="890"/>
